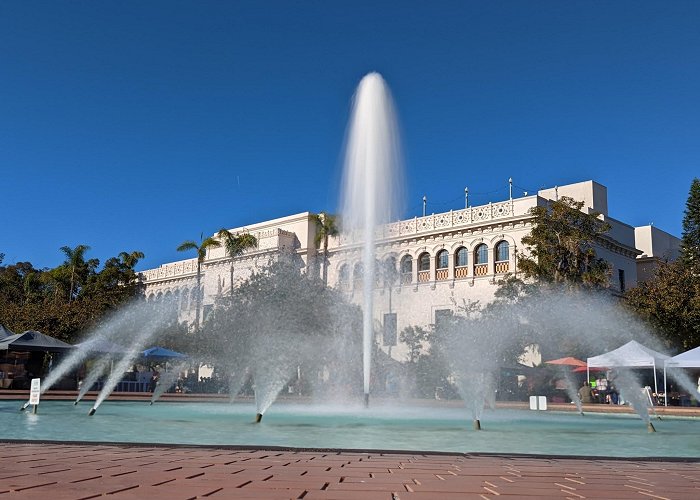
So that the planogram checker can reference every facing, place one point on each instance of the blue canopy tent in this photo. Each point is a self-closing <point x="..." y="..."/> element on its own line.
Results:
<point x="30" y="341"/>
<point x="162" y="354"/>
<point x="5" y="332"/>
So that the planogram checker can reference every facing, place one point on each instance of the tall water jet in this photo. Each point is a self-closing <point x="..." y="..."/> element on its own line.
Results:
<point x="372" y="183"/>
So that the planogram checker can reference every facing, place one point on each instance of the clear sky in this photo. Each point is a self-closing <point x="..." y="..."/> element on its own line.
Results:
<point x="132" y="125"/>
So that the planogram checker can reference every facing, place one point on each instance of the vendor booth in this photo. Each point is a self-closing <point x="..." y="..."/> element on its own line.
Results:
<point x="631" y="355"/>
<point x="688" y="359"/>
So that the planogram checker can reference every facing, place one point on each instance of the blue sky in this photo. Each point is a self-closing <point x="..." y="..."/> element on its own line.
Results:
<point x="137" y="125"/>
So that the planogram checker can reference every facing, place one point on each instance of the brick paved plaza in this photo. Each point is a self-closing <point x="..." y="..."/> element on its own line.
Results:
<point x="81" y="471"/>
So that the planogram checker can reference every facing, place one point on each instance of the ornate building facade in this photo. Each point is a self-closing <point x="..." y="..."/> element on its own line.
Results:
<point x="428" y="266"/>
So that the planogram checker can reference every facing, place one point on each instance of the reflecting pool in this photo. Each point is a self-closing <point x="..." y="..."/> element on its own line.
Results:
<point x="378" y="428"/>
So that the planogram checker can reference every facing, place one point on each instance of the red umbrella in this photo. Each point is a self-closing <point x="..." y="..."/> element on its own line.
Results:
<point x="567" y="362"/>
<point x="593" y="369"/>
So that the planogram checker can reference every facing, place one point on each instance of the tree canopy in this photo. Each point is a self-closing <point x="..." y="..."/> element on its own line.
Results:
<point x="690" y="242"/>
<point x="560" y="247"/>
<point x="68" y="299"/>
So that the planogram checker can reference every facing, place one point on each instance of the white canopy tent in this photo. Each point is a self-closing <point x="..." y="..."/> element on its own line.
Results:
<point x="631" y="355"/>
<point x="688" y="359"/>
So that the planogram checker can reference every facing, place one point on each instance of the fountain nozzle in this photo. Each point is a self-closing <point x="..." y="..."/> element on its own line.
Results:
<point x="477" y="424"/>
<point x="24" y="407"/>
<point x="92" y="412"/>
<point x="650" y="427"/>
<point x="366" y="399"/>
<point x="75" y="403"/>
<point x="151" y="403"/>
<point x="258" y="417"/>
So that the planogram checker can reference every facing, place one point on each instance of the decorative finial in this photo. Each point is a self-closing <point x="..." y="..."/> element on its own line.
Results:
<point x="425" y="201"/>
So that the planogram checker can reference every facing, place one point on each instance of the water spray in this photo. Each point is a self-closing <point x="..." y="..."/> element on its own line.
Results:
<point x="366" y="399"/>
<point x="371" y="177"/>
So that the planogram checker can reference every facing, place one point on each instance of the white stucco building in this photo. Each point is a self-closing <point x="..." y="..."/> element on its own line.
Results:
<point x="441" y="260"/>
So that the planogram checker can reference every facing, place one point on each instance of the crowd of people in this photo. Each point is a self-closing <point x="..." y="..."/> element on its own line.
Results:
<point x="600" y="390"/>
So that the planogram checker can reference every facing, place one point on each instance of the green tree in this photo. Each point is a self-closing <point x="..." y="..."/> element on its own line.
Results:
<point x="235" y="245"/>
<point x="78" y="266"/>
<point x="671" y="303"/>
<point x="326" y="226"/>
<point x="277" y="322"/>
<point x="129" y="260"/>
<point x="416" y="339"/>
<point x="560" y="247"/>
<point x="690" y="242"/>
<point x="40" y="299"/>
<point x="201" y="250"/>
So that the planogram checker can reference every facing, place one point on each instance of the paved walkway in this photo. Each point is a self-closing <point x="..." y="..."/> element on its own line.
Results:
<point x="72" y="471"/>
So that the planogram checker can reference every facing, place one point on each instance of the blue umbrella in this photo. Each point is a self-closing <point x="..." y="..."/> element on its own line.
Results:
<point x="161" y="353"/>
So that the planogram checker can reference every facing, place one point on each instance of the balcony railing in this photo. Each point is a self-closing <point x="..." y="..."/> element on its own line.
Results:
<point x="441" y="274"/>
<point x="502" y="267"/>
<point x="423" y="276"/>
<point x="481" y="269"/>
<point x="461" y="272"/>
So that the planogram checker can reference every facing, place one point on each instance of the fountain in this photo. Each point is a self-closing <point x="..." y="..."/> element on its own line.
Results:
<point x="280" y="324"/>
<point x="371" y="184"/>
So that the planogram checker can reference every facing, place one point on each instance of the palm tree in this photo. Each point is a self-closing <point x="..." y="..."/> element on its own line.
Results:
<point x="201" y="254"/>
<point x="325" y="227"/>
<point x="75" y="258"/>
<point x="130" y="260"/>
<point x="235" y="245"/>
<point x="127" y="263"/>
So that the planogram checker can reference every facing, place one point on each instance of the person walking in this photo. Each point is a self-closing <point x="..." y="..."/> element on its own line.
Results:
<point x="585" y="393"/>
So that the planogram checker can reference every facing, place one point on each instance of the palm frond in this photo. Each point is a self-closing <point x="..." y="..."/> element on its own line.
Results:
<point x="187" y="245"/>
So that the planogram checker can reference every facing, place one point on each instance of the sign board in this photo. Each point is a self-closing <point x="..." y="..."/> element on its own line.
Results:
<point x="538" y="402"/>
<point x="533" y="402"/>
<point x="34" y="391"/>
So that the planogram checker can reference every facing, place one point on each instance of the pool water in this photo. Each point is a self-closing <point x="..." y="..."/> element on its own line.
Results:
<point x="378" y="428"/>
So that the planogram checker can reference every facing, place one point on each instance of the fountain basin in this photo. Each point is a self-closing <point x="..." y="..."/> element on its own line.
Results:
<point x="381" y="427"/>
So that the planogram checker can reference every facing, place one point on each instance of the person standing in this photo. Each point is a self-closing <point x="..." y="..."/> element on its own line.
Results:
<point x="585" y="393"/>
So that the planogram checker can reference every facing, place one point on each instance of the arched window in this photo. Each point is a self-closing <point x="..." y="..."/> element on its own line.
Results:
<point x="406" y="269"/>
<point x="406" y="264"/>
<point x="481" y="254"/>
<point x="442" y="262"/>
<point x="358" y="271"/>
<point x="481" y="260"/>
<point x="502" y="251"/>
<point x="389" y="272"/>
<point x="343" y="275"/>
<point x="502" y="254"/>
<point x="184" y="299"/>
<point x="424" y="262"/>
<point x="424" y="267"/>
<point x="461" y="257"/>
<point x="442" y="259"/>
